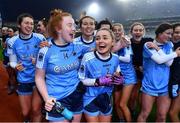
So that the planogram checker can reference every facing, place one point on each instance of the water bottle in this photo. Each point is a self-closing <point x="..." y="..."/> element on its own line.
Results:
<point x="63" y="110"/>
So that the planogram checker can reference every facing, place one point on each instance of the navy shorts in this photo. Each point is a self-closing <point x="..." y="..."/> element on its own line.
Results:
<point x="101" y="105"/>
<point x="139" y="75"/>
<point x="25" y="88"/>
<point x="118" y="87"/>
<point x="73" y="102"/>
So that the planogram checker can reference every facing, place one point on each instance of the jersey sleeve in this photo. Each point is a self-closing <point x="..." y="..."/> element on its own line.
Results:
<point x="83" y="69"/>
<point x="42" y="58"/>
<point x="147" y="53"/>
<point x="10" y="46"/>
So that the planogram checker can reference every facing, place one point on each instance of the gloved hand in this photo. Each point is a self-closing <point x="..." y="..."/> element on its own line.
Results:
<point x="173" y="91"/>
<point x="118" y="79"/>
<point x="104" y="81"/>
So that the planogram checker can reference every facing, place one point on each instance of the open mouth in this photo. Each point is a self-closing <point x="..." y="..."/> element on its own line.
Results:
<point x="101" y="47"/>
<point x="28" y="30"/>
<point x="71" y="35"/>
<point x="89" y="30"/>
<point x="137" y="36"/>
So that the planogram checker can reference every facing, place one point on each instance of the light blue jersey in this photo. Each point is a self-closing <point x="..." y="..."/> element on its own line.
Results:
<point x="25" y="49"/>
<point x="127" y="68"/>
<point x="93" y="67"/>
<point x="91" y="44"/>
<point x="61" y="64"/>
<point x="156" y="76"/>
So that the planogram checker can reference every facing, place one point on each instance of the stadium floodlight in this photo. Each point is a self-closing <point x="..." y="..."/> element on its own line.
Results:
<point x="93" y="9"/>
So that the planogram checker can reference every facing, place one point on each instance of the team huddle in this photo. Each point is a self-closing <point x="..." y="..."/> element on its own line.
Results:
<point x="71" y="72"/>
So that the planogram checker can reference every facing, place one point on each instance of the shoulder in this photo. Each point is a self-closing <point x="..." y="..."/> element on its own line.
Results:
<point x="39" y="36"/>
<point x="12" y="40"/>
<point x="79" y="45"/>
<point x="77" y="39"/>
<point x="170" y="44"/>
<point x="88" y="56"/>
<point x="146" y="39"/>
<point x="146" y="47"/>
<point x="115" y="56"/>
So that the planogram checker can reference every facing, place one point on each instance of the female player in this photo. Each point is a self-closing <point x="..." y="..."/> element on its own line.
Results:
<point x="57" y="69"/>
<point x="174" y="83"/>
<point x="137" y="31"/>
<point x="157" y="59"/>
<point x="87" y="27"/>
<point x="96" y="72"/>
<point x="22" y="51"/>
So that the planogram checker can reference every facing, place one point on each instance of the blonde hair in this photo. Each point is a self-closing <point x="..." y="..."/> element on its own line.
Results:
<point x="118" y="24"/>
<point x="109" y="30"/>
<point x="135" y="24"/>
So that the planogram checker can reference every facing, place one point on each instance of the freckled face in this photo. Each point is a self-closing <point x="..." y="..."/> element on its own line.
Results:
<point x="68" y="29"/>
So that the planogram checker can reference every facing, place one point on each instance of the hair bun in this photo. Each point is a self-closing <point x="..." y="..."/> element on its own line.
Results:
<point x="56" y="12"/>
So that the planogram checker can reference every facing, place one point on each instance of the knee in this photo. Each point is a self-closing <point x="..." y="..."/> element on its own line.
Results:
<point x="26" y="113"/>
<point x="36" y="110"/>
<point x="161" y="117"/>
<point x="116" y="104"/>
<point x="172" y="113"/>
<point x="144" y="114"/>
<point x="122" y="105"/>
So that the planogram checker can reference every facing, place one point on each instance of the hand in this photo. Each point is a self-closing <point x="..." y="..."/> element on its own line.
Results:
<point x="178" y="51"/>
<point x="125" y="41"/>
<point x="104" y="81"/>
<point x="49" y="103"/>
<point x="19" y="67"/>
<point x="152" y="45"/>
<point x="44" y="44"/>
<point x="118" y="79"/>
<point x="33" y="60"/>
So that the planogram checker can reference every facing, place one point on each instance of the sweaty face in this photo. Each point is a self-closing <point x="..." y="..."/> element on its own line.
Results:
<point x="138" y="32"/>
<point x="176" y="34"/>
<point x="104" y="42"/>
<point x="118" y="32"/>
<point x="68" y="29"/>
<point x="26" y="26"/>
<point x="88" y="26"/>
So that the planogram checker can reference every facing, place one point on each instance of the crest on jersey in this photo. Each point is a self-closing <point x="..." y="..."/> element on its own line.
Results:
<point x="40" y="57"/>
